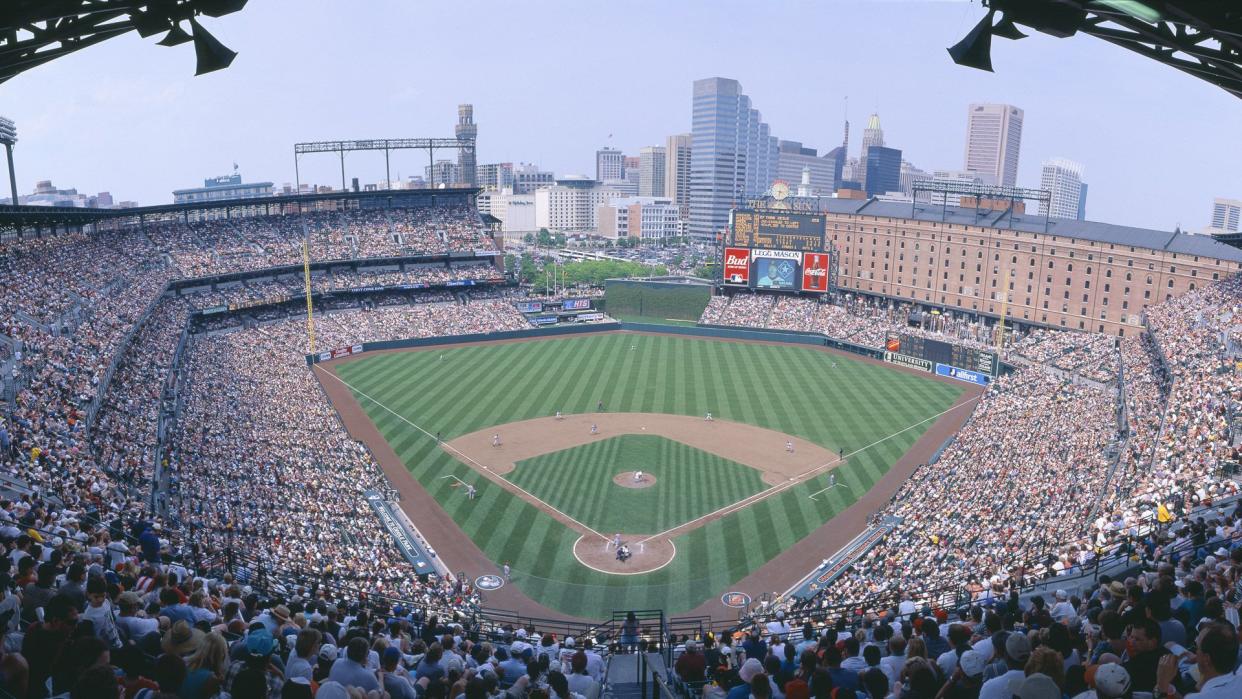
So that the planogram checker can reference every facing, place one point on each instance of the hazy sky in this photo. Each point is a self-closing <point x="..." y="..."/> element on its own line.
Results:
<point x="550" y="80"/>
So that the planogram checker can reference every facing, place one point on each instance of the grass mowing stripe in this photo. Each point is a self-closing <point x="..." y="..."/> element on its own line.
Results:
<point x="799" y="392"/>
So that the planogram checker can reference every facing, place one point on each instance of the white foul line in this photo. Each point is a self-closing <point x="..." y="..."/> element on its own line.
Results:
<point x="794" y="479"/>
<point x="464" y="457"/>
<point x="834" y="485"/>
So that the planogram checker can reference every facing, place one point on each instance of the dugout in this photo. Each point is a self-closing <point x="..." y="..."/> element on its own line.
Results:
<point x="658" y="298"/>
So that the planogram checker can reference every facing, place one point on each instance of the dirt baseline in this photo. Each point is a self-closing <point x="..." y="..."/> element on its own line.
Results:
<point x="761" y="449"/>
<point x="780" y="458"/>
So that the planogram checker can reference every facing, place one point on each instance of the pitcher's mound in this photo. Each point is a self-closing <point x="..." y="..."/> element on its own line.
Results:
<point x="626" y="480"/>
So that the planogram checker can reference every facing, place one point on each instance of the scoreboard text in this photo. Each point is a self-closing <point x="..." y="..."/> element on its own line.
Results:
<point x="777" y="230"/>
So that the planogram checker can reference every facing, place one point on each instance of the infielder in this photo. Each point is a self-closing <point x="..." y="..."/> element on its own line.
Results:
<point x="789" y="447"/>
<point x="495" y="440"/>
<point x="594" y="428"/>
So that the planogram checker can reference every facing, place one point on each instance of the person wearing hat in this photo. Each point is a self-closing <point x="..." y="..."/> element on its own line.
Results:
<point x="967" y="677"/>
<point x="1038" y="686"/>
<point x="181" y="639"/>
<point x="692" y="665"/>
<point x="1017" y="652"/>
<point x="1111" y="682"/>
<point x="257" y="648"/>
<point x="398" y="686"/>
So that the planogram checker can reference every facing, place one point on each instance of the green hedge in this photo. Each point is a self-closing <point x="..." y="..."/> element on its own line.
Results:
<point x="656" y="299"/>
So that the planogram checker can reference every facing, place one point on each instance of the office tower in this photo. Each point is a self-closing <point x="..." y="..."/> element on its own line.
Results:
<point x="677" y="171"/>
<point x="883" y="170"/>
<point x="466" y="130"/>
<point x="793" y="158"/>
<point x="609" y="164"/>
<point x="1063" y="179"/>
<point x="873" y="135"/>
<point x="1226" y="214"/>
<point x="652" y="172"/>
<point x="733" y="155"/>
<point x="993" y="141"/>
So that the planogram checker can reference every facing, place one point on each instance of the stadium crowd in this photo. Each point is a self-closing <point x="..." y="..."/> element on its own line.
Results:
<point x="105" y="589"/>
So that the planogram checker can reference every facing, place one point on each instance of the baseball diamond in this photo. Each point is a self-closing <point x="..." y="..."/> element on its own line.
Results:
<point x="539" y="503"/>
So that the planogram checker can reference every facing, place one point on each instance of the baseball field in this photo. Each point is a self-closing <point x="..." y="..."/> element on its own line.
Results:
<point x="796" y="436"/>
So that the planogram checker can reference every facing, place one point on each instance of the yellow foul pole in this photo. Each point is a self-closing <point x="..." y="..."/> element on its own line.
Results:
<point x="1000" y="327"/>
<point x="310" y="307"/>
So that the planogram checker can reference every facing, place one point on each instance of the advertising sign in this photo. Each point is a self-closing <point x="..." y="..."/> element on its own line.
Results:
<point x="961" y="374"/>
<point x="815" y="272"/>
<point x="737" y="266"/>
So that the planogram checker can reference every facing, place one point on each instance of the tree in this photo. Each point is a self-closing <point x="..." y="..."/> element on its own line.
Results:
<point x="528" y="238"/>
<point x="545" y="238"/>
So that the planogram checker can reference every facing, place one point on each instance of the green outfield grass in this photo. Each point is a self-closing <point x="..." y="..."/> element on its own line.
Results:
<point x="831" y="400"/>
<point x="689" y="483"/>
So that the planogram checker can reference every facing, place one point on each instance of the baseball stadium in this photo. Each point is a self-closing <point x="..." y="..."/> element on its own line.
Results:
<point x="335" y="441"/>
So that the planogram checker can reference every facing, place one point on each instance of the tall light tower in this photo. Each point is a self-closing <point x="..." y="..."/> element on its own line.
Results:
<point x="8" y="136"/>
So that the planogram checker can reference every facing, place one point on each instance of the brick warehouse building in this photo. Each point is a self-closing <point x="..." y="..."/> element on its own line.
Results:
<point x="1081" y="275"/>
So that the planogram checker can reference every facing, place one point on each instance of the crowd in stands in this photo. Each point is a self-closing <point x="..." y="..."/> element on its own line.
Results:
<point x="1168" y="630"/>
<point x="105" y="589"/>
<point x="1085" y="354"/>
<point x="860" y="321"/>
<point x="205" y="248"/>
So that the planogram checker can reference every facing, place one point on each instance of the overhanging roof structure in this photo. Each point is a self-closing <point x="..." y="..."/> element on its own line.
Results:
<point x="1199" y="37"/>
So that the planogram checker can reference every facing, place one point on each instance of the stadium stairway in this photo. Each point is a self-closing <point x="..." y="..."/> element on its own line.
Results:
<point x="630" y="675"/>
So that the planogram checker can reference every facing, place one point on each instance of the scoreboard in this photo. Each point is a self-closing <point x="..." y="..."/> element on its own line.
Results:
<point x="777" y="230"/>
<point x="985" y="362"/>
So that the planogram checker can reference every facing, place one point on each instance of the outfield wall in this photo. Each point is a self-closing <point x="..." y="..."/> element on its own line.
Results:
<point x="655" y="299"/>
<point x="792" y="337"/>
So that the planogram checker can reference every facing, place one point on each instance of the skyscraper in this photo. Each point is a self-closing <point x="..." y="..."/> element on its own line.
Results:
<point x="993" y="140"/>
<point x="1063" y="178"/>
<point x="466" y="130"/>
<point x="609" y="164"/>
<point x="732" y="157"/>
<point x="677" y="171"/>
<point x="873" y="135"/>
<point x="883" y="170"/>
<point x="1226" y="214"/>
<point x="652" y="163"/>
<point x="793" y="158"/>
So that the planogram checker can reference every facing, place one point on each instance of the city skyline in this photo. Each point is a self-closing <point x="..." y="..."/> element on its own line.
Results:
<point x="153" y="129"/>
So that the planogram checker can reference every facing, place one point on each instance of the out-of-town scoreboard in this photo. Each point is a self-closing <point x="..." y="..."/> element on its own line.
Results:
<point x="778" y="251"/>
<point x="944" y="358"/>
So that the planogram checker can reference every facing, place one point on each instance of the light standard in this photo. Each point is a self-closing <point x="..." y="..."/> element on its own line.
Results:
<point x="8" y="136"/>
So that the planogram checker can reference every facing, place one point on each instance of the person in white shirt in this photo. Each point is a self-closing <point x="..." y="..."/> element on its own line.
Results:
<point x="595" y="662"/>
<point x="1217" y="660"/>
<point x="1017" y="652"/>
<point x="779" y="627"/>
<point x="1062" y="610"/>
<point x="892" y="663"/>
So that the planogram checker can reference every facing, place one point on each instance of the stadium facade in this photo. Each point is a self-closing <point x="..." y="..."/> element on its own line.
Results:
<point x="1081" y="275"/>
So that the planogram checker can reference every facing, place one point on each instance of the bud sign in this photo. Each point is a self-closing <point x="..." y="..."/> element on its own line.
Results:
<point x="737" y="266"/>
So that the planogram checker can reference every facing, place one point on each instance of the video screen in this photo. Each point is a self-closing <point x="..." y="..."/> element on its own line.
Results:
<point x="775" y="273"/>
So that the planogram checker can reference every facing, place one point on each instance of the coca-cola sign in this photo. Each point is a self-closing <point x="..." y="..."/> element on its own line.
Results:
<point x="815" y="272"/>
<point x="737" y="266"/>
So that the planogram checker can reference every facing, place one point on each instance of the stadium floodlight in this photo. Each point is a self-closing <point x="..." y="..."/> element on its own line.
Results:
<point x="175" y="37"/>
<point x="212" y="55"/>
<point x="8" y="137"/>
